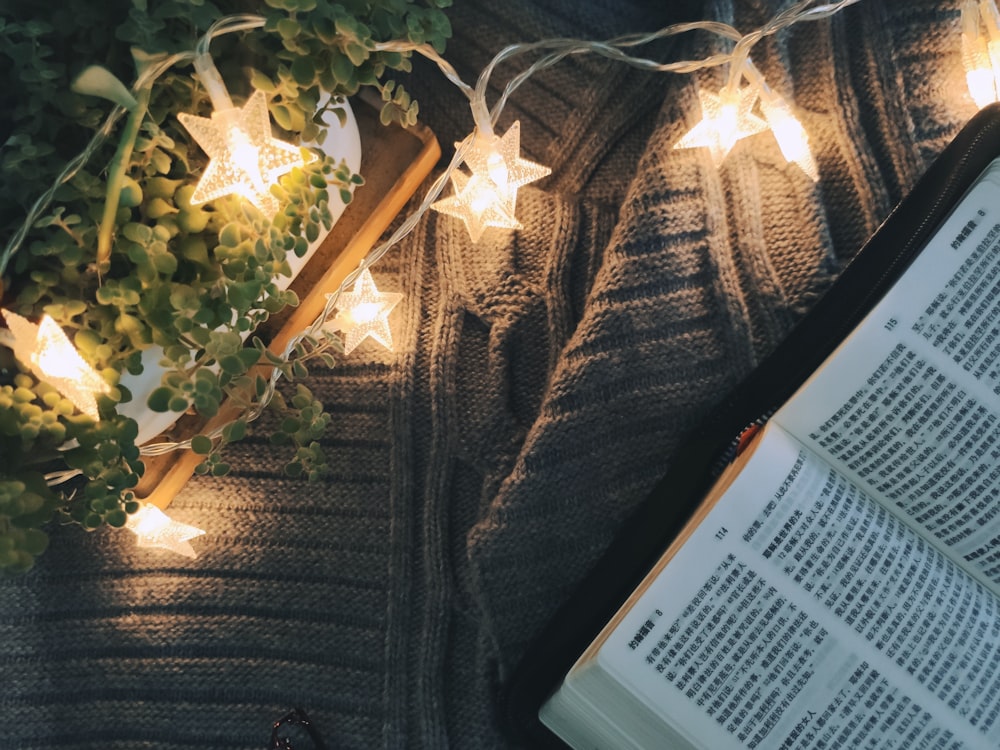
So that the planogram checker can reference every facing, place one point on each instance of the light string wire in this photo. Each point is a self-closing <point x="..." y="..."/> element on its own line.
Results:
<point x="484" y="118"/>
<point x="801" y="11"/>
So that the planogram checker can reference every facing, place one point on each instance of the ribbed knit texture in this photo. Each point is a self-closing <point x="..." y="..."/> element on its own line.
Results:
<point x="540" y="383"/>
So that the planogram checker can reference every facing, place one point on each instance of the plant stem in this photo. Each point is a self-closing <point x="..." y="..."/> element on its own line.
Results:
<point x="69" y="230"/>
<point x="116" y="175"/>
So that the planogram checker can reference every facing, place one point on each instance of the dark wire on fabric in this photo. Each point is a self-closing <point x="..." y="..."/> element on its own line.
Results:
<point x="294" y="718"/>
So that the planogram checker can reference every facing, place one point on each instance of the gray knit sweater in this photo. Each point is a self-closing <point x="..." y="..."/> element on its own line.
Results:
<point x="541" y="381"/>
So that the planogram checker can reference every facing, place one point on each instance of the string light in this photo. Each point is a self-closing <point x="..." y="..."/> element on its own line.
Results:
<point x="245" y="157"/>
<point x="50" y="355"/>
<point x="981" y="50"/>
<point x="364" y="313"/>
<point x="155" y="529"/>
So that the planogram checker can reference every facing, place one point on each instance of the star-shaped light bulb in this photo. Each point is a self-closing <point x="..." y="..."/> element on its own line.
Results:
<point x="364" y="313"/>
<point x="245" y="158"/>
<point x="489" y="197"/>
<point x="50" y="355"/>
<point x="498" y="159"/>
<point x="154" y="528"/>
<point x="479" y="204"/>
<point x="981" y="50"/>
<point x="788" y="131"/>
<point x="982" y="83"/>
<point x="726" y="118"/>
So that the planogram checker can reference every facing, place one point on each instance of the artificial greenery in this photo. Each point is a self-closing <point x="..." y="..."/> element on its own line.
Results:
<point x="122" y="260"/>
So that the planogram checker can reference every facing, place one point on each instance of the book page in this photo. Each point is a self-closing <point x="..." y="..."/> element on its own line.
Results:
<point x="800" y="614"/>
<point x="909" y="405"/>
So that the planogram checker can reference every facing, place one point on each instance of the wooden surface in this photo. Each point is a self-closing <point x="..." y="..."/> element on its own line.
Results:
<point x="394" y="162"/>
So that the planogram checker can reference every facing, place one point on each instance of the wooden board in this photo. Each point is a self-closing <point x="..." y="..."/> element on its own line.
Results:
<point x="395" y="161"/>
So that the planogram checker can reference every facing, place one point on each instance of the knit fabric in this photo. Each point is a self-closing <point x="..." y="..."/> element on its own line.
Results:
<point x="540" y="383"/>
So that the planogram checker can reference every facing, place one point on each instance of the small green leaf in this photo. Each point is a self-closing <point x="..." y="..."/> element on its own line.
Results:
<point x="235" y="431"/>
<point x="178" y="403"/>
<point x="288" y="29"/>
<point x="303" y="71"/>
<point x="207" y="406"/>
<point x="262" y="82"/>
<point x="137" y="232"/>
<point x="232" y="365"/>
<point x="158" y="207"/>
<point x="131" y="194"/>
<point x="99" y="81"/>
<point x="159" y="399"/>
<point x="201" y="444"/>
<point x="249" y="356"/>
<point x="160" y="160"/>
<point x="230" y="236"/>
<point x="341" y="67"/>
<point x="356" y="52"/>
<point x="282" y="115"/>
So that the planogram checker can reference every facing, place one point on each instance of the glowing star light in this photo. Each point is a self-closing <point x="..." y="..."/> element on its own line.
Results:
<point x="981" y="50"/>
<point x="498" y="159"/>
<point x="489" y="197"/>
<point x="791" y="136"/>
<point x="788" y="131"/>
<point x="726" y="119"/>
<point x="46" y="350"/>
<point x="479" y="204"/>
<point x="154" y="528"/>
<point x="245" y="158"/>
<point x="364" y="312"/>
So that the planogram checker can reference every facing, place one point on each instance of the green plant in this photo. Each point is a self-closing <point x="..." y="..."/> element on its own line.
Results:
<point x="122" y="260"/>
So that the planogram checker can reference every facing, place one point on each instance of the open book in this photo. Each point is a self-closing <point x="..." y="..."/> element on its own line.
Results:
<point x="839" y="586"/>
